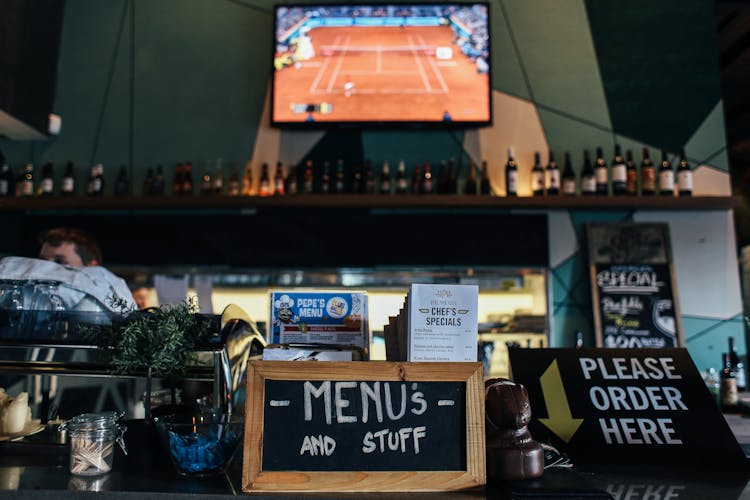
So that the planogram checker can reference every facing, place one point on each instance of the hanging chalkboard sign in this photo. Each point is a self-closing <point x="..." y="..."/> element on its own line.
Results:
<point x="364" y="426"/>
<point x="632" y="286"/>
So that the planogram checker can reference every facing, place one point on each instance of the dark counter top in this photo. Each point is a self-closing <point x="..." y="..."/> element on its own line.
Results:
<point x="36" y="468"/>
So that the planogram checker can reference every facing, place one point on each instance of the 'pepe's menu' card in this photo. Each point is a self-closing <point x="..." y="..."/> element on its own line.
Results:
<point x="443" y="322"/>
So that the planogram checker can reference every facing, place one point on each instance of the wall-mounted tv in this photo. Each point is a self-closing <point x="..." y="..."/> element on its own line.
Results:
<point x="425" y="64"/>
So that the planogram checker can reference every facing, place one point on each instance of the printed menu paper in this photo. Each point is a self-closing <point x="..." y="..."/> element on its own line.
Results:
<point x="443" y="322"/>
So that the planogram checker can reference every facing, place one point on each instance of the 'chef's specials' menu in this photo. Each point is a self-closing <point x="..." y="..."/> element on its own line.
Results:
<point x="632" y="286"/>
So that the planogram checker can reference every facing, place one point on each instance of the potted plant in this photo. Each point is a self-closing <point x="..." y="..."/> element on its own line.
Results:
<point x="155" y="342"/>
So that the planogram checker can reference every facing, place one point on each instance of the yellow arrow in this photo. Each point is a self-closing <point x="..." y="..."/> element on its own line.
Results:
<point x="560" y="421"/>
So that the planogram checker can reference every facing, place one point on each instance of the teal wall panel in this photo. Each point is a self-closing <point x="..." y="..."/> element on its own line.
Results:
<point x="558" y="57"/>
<point x="507" y="72"/>
<point x="649" y="56"/>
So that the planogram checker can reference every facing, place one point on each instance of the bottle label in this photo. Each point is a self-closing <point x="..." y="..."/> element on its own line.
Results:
<point x="569" y="186"/>
<point x="729" y="395"/>
<point x="619" y="173"/>
<point x="67" y="184"/>
<point x="588" y="184"/>
<point x="601" y="175"/>
<point x="537" y="181"/>
<point x="27" y="188"/>
<point x="46" y="186"/>
<point x="385" y="187"/>
<point x="666" y="181"/>
<point x="553" y="179"/>
<point x="741" y="378"/>
<point x="648" y="179"/>
<point x="632" y="182"/>
<point x="512" y="182"/>
<point x="402" y="185"/>
<point x="96" y="185"/>
<point x="685" y="180"/>
<point x="3" y="187"/>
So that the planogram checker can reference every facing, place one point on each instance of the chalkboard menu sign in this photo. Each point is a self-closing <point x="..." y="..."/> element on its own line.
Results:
<point x="364" y="426"/>
<point x="632" y="285"/>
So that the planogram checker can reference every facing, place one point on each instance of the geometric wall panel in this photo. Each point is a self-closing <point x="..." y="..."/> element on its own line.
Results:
<point x="709" y="138"/>
<point x="558" y="57"/>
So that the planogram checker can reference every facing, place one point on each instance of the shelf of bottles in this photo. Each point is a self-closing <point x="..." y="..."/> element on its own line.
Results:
<point x="621" y="184"/>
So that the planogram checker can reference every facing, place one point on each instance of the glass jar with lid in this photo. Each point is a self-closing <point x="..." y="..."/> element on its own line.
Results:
<point x="92" y="439"/>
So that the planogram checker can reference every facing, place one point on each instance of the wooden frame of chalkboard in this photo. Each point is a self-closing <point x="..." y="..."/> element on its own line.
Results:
<point x="363" y="427"/>
<point x="633" y="287"/>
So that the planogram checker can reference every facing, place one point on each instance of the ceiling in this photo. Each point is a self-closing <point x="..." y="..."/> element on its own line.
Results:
<point x="733" y="33"/>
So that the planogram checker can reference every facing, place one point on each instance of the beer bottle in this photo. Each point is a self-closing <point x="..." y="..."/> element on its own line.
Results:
<point x="325" y="178"/>
<point x="666" y="176"/>
<point x="206" y="180"/>
<point x="471" y="179"/>
<point x="148" y="182"/>
<point x="358" y="185"/>
<point x="552" y="175"/>
<point x="537" y="176"/>
<point x="27" y="180"/>
<point x="442" y="178"/>
<point x="309" y="178"/>
<point x="177" y="181"/>
<point x="738" y="366"/>
<point x="47" y="184"/>
<point x="340" y="182"/>
<point x="218" y="180"/>
<point x="233" y="186"/>
<point x="279" y="182"/>
<point x="451" y="183"/>
<point x="729" y="395"/>
<point x="568" y="177"/>
<point x="122" y="183"/>
<point x="369" y="178"/>
<point x="187" y="179"/>
<point x="247" y="179"/>
<point x="68" y="182"/>
<point x="631" y="173"/>
<point x="7" y="182"/>
<point x="601" y="172"/>
<point x="291" y="181"/>
<point x="588" y="177"/>
<point x="6" y="177"/>
<point x="157" y="187"/>
<point x="485" y="187"/>
<point x="416" y="179"/>
<point x="385" y="179"/>
<point x="264" y="186"/>
<point x="684" y="176"/>
<point x="648" y="175"/>
<point x="427" y="186"/>
<point x="511" y="175"/>
<point x="402" y="183"/>
<point x="619" y="173"/>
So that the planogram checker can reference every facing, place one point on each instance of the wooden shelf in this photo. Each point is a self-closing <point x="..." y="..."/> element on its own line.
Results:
<point x="249" y="204"/>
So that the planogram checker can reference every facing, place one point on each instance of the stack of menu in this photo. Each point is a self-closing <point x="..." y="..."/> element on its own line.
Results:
<point x="437" y="323"/>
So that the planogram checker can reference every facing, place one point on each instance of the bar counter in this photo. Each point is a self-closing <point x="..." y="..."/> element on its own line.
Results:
<point x="34" y="468"/>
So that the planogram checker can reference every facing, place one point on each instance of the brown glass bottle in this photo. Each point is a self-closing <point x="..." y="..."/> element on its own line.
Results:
<point x="648" y="175"/>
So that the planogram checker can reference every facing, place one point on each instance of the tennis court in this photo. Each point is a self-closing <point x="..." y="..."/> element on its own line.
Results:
<point x="374" y="73"/>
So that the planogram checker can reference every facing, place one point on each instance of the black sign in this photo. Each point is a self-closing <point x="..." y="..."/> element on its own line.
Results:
<point x="364" y="426"/>
<point x="636" y="307"/>
<point x="374" y="425"/>
<point x="623" y="405"/>
<point x="632" y="286"/>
